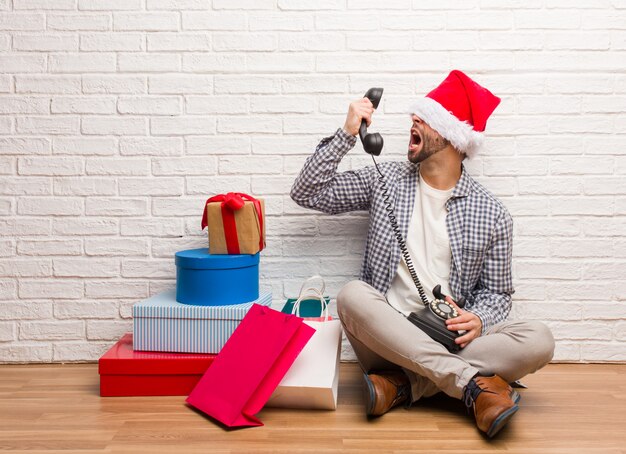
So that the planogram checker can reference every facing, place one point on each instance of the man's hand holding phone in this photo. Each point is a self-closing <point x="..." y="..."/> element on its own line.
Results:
<point x="359" y="110"/>
<point x="466" y="321"/>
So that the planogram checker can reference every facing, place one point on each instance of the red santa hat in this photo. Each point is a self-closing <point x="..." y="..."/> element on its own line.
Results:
<point x="458" y="109"/>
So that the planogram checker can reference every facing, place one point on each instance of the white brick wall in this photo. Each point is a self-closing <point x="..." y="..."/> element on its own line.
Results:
<point x="119" y="117"/>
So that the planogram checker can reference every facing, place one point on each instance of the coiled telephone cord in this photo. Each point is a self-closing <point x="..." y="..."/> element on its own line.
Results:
<point x="398" y="234"/>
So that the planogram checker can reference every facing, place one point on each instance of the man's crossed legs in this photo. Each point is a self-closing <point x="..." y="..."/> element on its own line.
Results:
<point x="384" y="340"/>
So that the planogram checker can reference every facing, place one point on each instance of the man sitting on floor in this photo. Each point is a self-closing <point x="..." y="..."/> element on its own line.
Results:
<point x="458" y="235"/>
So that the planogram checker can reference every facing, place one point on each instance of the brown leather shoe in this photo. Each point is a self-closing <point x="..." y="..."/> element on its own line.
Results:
<point x="385" y="390"/>
<point x="492" y="400"/>
<point x="497" y="384"/>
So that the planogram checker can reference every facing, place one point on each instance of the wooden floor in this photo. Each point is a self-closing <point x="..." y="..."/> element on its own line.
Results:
<point x="56" y="409"/>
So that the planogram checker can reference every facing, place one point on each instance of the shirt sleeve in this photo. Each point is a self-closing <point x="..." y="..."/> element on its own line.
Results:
<point x="492" y="296"/>
<point x="319" y="186"/>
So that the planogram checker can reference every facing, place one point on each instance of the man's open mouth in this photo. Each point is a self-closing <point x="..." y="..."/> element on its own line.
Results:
<point x="416" y="140"/>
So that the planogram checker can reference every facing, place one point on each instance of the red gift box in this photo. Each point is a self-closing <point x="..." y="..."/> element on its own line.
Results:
<point x="125" y="372"/>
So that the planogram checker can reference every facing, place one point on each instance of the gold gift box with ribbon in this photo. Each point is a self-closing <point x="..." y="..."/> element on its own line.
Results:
<point x="236" y="223"/>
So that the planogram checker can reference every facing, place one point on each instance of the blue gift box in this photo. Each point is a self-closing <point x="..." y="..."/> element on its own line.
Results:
<point x="214" y="280"/>
<point x="162" y="324"/>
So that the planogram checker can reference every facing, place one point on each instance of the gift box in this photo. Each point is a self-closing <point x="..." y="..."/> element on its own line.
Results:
<point x="125" y="372"/>
<point x="204" y="279"/>
<point x="236" y="223"/>
<point x="160" y="323"/>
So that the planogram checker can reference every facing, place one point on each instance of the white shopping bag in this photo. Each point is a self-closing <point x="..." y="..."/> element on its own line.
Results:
<point x="313" y="379"/>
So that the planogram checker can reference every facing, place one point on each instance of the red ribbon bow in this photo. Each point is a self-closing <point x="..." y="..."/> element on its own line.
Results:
<point x="232" y="202"/>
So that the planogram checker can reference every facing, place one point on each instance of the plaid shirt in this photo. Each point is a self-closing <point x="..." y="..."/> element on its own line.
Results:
<point x="479" y="227"/>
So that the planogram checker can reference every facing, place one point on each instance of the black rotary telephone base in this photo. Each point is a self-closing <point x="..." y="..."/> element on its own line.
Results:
<point x="428" y="322"/>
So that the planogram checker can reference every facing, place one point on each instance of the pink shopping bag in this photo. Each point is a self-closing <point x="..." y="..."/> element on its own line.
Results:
<point x="250" y="365"/>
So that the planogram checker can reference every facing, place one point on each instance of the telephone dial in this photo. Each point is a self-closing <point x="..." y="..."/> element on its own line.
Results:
<point x="432" y="318"/>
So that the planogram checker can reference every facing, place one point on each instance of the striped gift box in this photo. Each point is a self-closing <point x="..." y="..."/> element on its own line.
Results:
<point x="162" y="324"/>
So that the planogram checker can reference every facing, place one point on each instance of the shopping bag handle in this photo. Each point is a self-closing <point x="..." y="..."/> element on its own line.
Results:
<point x="312" y="292"/>
<point x="321" y="287"/>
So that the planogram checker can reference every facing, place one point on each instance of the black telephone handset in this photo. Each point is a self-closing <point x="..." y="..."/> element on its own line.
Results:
<point x="372" y="143"/>
<point x="431" y="319"/>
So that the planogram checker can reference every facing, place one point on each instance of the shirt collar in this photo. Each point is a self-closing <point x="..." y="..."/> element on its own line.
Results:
<point x="465" y="185"/>
<point x="408" y="170"/>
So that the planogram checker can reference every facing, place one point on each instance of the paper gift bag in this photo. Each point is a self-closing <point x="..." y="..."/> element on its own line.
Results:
<point x="236" y="223"/>
<point x="313" y="379"/>
<point x="250" y="366"/>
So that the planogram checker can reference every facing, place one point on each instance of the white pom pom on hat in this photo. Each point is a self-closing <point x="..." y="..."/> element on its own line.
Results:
<point x="458" y="109"/>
